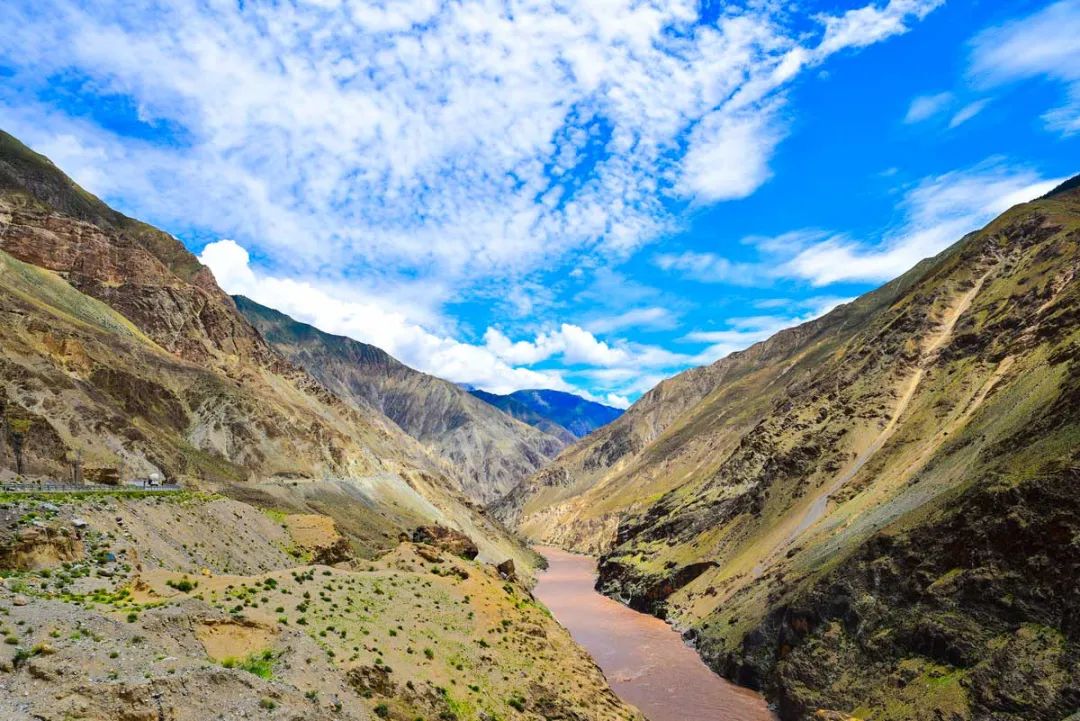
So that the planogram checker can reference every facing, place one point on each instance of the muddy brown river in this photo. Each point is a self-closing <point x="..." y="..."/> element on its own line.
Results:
<point x="645" y="661"/>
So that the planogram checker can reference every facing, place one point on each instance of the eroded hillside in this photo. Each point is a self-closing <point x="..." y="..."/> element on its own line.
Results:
<point x="868" y="513"/>
<point x="142" y="605"/>
<point x="486" y="451"/>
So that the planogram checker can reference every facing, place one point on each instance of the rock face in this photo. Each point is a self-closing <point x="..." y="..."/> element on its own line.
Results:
<point x="971" y="614"/>
<point x="506" y="570"/>
<point x="485" y="451"/>
<point x="446" y="539"/>
<point x="866" y="514"/>
<point x="554" y="412"/>
<point x="41" y="544"/>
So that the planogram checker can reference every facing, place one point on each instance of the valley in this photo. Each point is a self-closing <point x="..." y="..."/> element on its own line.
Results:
<point x="869" y="515"/>
<point x="644" y="659"/>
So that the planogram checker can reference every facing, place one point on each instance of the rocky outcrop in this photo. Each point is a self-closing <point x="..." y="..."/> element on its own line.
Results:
<point x="446" y="539"/>
<point x="979" y="605"/>
<point x="507" y="570"/>
<point x="318" y="535"/>
<point x="645" y="593"/>
<point x="39" y="543"/>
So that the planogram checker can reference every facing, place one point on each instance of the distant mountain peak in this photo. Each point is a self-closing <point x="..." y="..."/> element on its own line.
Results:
<point x="541" y="407"/>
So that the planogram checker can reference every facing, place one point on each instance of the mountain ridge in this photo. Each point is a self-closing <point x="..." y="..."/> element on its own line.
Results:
<point x="196" y="393"/>
<point x="779" y="505"/>
<point x="578" y="416"/>
<point x="485" y="450"/>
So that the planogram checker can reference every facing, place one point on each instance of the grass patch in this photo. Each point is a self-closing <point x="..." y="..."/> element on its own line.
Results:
<point x="259" y="664"/>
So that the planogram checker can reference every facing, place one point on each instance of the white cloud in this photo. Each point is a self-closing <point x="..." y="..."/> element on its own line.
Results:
<point x="434" y="138"/>
<point x="616" y="401"/>
<point x="384" y="160"/>
<point x="1043" y="44"/>
<point x="968" y="112"/>
<point x="653" y="317"/>
<point x="708" y="267"/>
<point x="499" y="365"/>
<point x="576" y="346"/>
<point x="937" y="213"/>
<point x="870" y="24"/>
<point x="741" y="333"/>
<point x="371" y="322"/>
<point x="729" y="153"/>
<point x="927" y="106"/>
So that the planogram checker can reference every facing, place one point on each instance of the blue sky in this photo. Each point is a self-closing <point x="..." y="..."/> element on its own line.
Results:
<point x="581" y="196"/>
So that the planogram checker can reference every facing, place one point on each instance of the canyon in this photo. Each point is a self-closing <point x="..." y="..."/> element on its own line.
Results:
<point x="871" y="515"/>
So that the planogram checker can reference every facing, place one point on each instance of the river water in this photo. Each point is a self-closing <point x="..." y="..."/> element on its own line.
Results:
<point x="644" y="659"/>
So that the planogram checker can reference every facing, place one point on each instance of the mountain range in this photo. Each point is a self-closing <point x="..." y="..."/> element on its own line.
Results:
<point x="306" y="460"/>
<point x="872" y="515"/>
<point x="486" y="451"/>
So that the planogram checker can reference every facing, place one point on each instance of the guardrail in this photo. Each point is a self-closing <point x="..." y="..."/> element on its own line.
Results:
<point x="84" y="488"/>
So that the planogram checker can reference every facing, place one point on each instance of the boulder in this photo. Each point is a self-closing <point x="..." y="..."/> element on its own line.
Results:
<point x="507" y="570"/>
<point x="447" y="539"/>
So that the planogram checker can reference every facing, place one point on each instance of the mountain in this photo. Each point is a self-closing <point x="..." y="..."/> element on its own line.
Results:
<point x="553" y="411"/>
<point x="116" y="343"/>
<point x="487" y="452"/>
<point x="516" y="409"/>
<point x="873" y="514"/>
<point x="314" y="542"/>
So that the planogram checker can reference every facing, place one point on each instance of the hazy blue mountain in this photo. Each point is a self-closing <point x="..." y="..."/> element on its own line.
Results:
<point x="541" y="408"/>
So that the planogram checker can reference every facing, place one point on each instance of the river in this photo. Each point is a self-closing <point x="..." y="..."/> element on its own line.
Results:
<point x="645" y="660"/>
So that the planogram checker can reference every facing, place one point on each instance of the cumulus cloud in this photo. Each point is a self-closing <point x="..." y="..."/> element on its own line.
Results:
<point x="459" y="139"/>
<point x="425" y="152"/>
<point x="372" y="322"/>
<point x="1042" y="44"/>
<point x="499" y="365"/>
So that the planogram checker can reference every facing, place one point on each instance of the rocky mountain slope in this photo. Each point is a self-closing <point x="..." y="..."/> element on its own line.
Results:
<point x="872" y="515"/>
<point x="139" y="605"/>
<point x="553" y="409"/>
<point x="116" y="344"/>
<point x="487" y="451"/>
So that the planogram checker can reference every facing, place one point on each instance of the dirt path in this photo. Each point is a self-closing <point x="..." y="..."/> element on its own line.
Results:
<point x="817" y="507"/>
